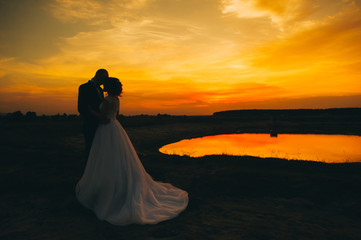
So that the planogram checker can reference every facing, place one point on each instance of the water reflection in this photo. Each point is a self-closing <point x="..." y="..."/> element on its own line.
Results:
<point x="314" y="147"/>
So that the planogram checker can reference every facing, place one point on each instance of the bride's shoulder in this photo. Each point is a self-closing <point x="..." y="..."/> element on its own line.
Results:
<point x="110" y="99"/>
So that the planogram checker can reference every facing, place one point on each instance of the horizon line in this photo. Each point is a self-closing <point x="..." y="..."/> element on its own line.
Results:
<point x="146" y="114"/>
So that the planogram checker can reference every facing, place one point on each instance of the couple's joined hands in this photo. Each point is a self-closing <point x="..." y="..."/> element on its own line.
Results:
<point x="101" y="117"/>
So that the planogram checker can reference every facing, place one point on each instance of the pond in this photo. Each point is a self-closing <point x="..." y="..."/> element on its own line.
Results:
<point x="312" y="147"/>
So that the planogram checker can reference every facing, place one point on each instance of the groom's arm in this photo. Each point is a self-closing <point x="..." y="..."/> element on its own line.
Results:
<point x="82" y="100"/>
<point x="102" y="114"/>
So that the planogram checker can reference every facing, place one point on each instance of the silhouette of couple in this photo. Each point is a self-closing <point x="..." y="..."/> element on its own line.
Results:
<point x="115" y="184"/>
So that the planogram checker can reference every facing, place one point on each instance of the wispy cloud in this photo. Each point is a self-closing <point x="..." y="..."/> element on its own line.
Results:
<point x="286" y="14"/>
<point x="72" y="10"/>
<point x="331" y="46"/>
<point x="96" y="12"/>
<point x="183" y="55"/>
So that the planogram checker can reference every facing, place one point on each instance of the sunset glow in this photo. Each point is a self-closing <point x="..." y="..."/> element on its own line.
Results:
<point x="182" y="57"/>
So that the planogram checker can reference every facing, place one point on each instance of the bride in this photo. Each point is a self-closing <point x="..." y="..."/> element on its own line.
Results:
<point x="115" y="184"/>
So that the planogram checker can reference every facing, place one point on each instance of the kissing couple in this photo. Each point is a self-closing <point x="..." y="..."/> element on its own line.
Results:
<point x="115" y="185"/>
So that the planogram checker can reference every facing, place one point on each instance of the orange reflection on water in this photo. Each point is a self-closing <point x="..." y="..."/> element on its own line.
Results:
<point x="313" y="147"/>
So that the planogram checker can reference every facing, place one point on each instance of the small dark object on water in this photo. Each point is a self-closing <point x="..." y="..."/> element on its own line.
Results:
<point x="273" y="133"/>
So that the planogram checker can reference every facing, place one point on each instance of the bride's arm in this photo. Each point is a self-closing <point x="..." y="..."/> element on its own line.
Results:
<point x="118" y="108"/>
<point x="118" y="111"/>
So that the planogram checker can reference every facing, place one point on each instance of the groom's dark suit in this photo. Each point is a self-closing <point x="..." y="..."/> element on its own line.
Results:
<point x="89" y="95"/>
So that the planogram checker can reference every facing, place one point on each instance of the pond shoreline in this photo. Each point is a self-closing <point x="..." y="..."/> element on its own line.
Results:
<point x="330" y="148"/>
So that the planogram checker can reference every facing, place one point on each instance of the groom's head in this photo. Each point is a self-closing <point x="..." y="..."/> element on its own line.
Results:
<point x="100" y="76"/>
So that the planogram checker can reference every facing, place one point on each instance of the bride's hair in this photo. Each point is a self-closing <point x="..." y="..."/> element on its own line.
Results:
<point x="113" y="86"/>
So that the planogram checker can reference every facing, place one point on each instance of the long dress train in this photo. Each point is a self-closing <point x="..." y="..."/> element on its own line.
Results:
<point x="115" y="184"/>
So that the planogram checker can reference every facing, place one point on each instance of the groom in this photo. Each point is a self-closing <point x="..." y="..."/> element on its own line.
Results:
<point x="90" y="96"/>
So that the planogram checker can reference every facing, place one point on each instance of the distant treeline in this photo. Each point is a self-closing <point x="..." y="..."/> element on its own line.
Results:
<point x="293" y="114"/>
<point x="129" y="121"/>
<point x="18" y="115"/>
<point x="309" y="115"/>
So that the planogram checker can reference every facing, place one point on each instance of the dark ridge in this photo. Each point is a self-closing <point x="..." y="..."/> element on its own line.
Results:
<point x="291" y="113"/>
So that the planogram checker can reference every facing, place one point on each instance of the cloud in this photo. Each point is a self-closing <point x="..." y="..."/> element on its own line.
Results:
<point x="162" y="48"/>
<point x="208" y="55"/>
<point x="72" y="10"/>
<point x="322" y="59"/>
<point x="177" y="95"/>
<point x="334" y="40"/>
<point x="96" y="12"/>
<point x="286" y="14"/>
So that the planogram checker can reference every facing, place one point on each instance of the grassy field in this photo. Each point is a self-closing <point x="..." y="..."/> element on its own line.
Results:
<point x="230" y="197"/>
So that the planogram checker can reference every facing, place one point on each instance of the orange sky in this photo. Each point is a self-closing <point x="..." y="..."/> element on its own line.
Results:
<point x="182" y="57"/>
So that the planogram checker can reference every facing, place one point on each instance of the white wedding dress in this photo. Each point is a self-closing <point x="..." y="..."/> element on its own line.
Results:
<point x="115" y="184"/>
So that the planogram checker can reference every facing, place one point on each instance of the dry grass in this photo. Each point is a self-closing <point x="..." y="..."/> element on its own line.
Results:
<point x="230" y="197"/>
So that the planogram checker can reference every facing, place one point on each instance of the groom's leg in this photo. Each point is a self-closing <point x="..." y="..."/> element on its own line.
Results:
<point x="88" y="142"/>
<point x="89" y="132"/>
